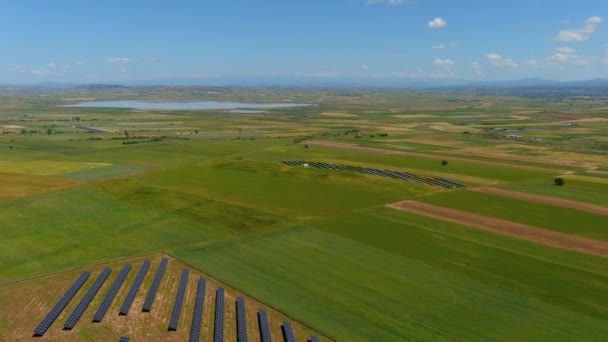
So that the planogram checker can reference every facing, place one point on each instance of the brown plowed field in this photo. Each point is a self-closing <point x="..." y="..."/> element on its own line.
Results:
<point x="430" y="156"/>
<point x="592" y="208"/>
<point x="557" y="162"/>
<point x="518" y="230"/>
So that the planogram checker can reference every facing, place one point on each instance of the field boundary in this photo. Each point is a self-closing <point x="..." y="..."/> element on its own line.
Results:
<point x="83" y="267"/>
<point x="513" y="229"/>
<point x="559" y="202"/>
<point x="431" y="156"/>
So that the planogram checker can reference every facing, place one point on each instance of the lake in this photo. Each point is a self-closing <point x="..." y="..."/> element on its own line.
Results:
<point x="184" y="105"/>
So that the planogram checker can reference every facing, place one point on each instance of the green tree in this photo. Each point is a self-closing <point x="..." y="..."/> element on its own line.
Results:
<point x="444" y="162"/>
<point x="559" y="181"/>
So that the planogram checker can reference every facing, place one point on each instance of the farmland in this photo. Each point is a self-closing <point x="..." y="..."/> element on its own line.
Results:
<point x="319" y="247"/>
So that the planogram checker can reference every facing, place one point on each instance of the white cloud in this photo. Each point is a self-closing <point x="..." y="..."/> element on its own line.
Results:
<point x="565" y="50"/>
<point x="51" y="65"/>
<point x="477" y="68"/>
<point x="436" y="23"/>
<point x="119" y="60"/>
<point x="566" y="55"/>
<point x="364" y="67"/>
<point x="581" y="34"/>
<point x="496" y="61"/>
<point x="443" y="63"/>
<point x="389" y="2"/>
<point x="440" y="46"/>
<point x="531" y="63"/>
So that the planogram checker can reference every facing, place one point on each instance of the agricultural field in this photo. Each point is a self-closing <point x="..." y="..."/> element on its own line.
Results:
<point x="326" y="248"/>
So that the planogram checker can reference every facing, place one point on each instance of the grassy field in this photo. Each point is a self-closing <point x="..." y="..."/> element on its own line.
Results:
<point x="320" y="246"/>
<point x="561" y="219"/>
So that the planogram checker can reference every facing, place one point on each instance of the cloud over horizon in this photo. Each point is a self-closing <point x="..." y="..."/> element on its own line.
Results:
<point x="581" y="34"/>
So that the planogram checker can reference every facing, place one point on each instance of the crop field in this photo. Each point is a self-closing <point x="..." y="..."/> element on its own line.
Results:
<point x="227" y="196"/>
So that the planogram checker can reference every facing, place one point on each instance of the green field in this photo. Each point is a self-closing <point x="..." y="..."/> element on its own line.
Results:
<point x="320" y="246"/>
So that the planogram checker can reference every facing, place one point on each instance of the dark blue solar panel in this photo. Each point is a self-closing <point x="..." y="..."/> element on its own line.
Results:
<point x="241" y="321"/>
<point x="123" y="339"/>
<point x="218" y="329"/>
<point x="313" y="339"/>
<point x="179" y="301"/>
<point x="126" y="305"/>
<point x="197" y="317"/>
<point x="86" y="300"/>
<point x="61" y="304"/>
<point x="287" y="332"/>
<point x="264" y="327"/>
<point x="154" y="288"/>
<point x="107" y="301"/>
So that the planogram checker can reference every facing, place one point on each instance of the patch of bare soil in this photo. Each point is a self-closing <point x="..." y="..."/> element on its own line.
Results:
<point x="517" y="230"/>
<point x="560" y="202"/>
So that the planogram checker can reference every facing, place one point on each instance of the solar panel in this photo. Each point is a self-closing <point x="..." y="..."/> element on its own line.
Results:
<point x="154" y="287"/>
<point x="218" y="329"/>
<point x="241" y="322"/>
<point x="123" y="339"/>
<point x="126" y="305"/>
<point x="61" y="304"/>
<point x="287" y="332"/>
<point x="313" y="339"/>
<point x="264" y="328"/>
<point x="107" y="301"/>
<point x="197" y="316"/>
<point x="179" y="301"/>
<point x="86" y="300"/>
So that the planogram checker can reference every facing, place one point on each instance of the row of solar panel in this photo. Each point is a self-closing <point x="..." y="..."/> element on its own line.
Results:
<point x="441" y="182"/>
<point x="195" y="329"/>
<point x="107" y="301"/>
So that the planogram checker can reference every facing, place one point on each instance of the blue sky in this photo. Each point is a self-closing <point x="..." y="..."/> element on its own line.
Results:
<point x="121" y="41"/>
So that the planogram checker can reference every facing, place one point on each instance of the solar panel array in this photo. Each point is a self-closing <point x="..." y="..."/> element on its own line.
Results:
<point x="241" y="321"/>
<point x="126" y="305"/>
<point x="218" y="329"/>
<point x="287" y="332"/>
<point x="123" y="339"/>
<point x="264" y="327"/>
<point x="440" y="182"/>
<point x="179" y="301"/>
<point x="86" y="300"/>
<point x="154" y="288"/>
<point x="61" y="304"/>
<point x="197" y="316"/>
<point x="107" y="301"/>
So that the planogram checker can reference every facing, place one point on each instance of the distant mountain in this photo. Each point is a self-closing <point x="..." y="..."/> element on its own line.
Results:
<point x="443" y="84"/>
<point x="597" y="82"/>
<point x="99" y="86"/>
<point x="524" y="82"/>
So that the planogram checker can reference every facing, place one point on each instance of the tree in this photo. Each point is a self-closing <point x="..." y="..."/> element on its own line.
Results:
<point x="559" y="181"/>
<point x="49" y="131"/>
<point x="305" y="146"/>
<point x="444" y="162"/>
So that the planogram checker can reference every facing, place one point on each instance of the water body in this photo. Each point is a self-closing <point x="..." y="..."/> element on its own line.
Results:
<point x="184" y="105"/>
